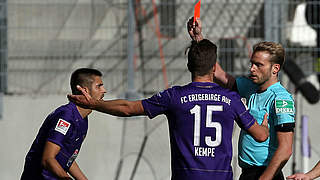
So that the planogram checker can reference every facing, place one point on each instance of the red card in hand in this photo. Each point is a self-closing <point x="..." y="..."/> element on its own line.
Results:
<point x="197" y="11"/>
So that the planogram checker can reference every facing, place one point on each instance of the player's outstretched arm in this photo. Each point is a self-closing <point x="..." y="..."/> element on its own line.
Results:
<point x="260" y="132"/>
<point x="50" y="163"/>
<point x="314" y="173"/>
<point x="119" y="107"/>
<point x="76" y="172"/>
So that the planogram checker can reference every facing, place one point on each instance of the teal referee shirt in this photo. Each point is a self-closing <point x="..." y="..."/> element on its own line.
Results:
<point x="279" y="104"/>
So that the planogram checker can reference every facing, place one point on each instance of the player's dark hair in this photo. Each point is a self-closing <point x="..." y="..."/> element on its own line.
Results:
<point x="202" y="56"/>
<point x="275" y="50"/>
<point x="83" y="77"/>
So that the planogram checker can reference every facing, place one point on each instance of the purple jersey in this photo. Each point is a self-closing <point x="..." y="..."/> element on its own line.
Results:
<point x="64" y="127"/>
<point x="200" y="117"/>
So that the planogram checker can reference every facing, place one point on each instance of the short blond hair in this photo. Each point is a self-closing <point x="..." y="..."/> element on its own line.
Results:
<point x="274" y="49"/>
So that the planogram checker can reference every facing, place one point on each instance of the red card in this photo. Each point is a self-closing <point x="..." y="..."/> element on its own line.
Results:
<point x="197" y="11"/>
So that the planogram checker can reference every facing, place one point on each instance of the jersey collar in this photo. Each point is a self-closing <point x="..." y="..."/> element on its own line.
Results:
<point x="76" y="112"/>
<point x="270" y="87"/>
<point x="204" y="84"/>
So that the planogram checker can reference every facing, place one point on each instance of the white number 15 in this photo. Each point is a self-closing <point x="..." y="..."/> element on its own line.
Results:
<point x="196" y="110"/>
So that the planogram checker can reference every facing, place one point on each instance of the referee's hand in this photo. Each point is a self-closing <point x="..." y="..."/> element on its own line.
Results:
<point x="194" y="29"/>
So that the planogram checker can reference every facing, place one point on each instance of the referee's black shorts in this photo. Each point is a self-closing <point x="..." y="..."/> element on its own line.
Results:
<point x="254" y="172"/>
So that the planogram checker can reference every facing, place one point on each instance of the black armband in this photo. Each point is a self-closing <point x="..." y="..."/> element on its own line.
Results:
<point x="286" y="127"/>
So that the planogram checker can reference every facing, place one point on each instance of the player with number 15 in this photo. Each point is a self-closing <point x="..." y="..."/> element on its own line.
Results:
<point x="200" y="115"/>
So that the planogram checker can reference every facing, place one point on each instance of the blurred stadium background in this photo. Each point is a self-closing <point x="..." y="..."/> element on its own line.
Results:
<point x="139" y="45"/>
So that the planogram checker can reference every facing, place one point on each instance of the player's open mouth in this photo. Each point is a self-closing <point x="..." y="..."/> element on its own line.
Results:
<point x="253" y="77"/>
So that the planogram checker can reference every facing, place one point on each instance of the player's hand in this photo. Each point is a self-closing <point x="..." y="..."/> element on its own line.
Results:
<point x="265" y="123"/>
<point x="85" y="100"/>
<point x="195" y="29"/>
<point x="299" y="176"/>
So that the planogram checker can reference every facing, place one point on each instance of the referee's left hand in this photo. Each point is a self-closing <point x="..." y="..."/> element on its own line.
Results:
<point x="194" y="29"/>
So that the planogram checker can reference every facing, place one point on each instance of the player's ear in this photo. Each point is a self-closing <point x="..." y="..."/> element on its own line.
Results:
<point x="275" y="68"/>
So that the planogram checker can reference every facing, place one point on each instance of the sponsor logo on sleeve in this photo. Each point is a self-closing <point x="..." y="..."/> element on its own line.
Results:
<point x="62" y="126"/>
<point x="284" y="106"/>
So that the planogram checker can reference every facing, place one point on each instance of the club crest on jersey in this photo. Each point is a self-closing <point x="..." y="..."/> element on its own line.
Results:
<point x="284" y="106"/>
<point x="62" y="126"/>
